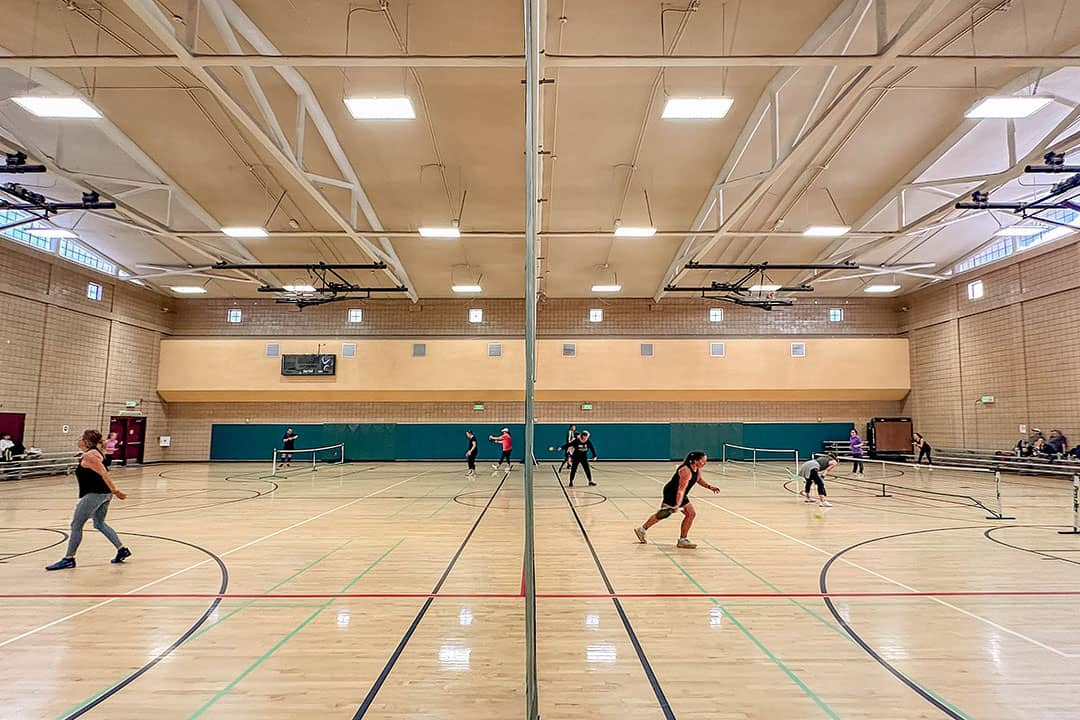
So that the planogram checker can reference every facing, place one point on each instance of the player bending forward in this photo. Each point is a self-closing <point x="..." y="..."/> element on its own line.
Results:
<point x="677" y="497"/>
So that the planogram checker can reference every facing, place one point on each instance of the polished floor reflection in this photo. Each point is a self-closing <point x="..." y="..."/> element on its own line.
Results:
<point x="395" y="591"/>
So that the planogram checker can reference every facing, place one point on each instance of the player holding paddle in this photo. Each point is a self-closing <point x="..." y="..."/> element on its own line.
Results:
<point x="677" y="497"/>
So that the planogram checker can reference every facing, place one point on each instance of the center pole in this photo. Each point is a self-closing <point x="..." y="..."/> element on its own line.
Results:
<point x="532" y="199"/>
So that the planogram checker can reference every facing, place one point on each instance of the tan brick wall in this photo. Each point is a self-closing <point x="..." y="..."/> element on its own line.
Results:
<point x="1019" y="343"/>
<point x="69" y="360"/>
<point x="556" y="318"/>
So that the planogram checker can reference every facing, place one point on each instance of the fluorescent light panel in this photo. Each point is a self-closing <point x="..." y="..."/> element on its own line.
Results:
<point x="388" y="108"/>
<point x="299" y="288"/>
<point x="58" y="107"/>
<point x="699" y="108"/>
<point x="51" y="233"/>
<point x="1020" y="231"/>
<point x="440" y="232"/>
<point x="826" y="231"/>
<point x="466" y="288"/>
<point x="881" y="288"/>
<point x="244" y="232"/>
<point x="188" y="289"/>
<point x="637" y="232"/>
<point x="764" y="288"/>
<point x="606" y="288"/>
<point x="1007" y="107"/>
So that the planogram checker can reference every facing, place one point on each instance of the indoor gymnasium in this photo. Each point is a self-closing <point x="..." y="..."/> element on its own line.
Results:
<point x="561" y="359"/>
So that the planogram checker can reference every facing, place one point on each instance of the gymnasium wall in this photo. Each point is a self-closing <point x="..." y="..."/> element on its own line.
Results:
<point x="1019" y="343"/>
<point x="68" y="360"/>
<point x="446" y="441"/>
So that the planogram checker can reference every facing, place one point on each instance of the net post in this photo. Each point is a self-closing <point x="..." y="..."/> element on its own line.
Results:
<point x="314" y="457"/>
<point x="273" y="464"/>
<point x="796" y="462"/>
<point x="754" y="454"/>
<point x="723" y="454"/>
<point x="1076" y="508"/>
<point x="997" y="492"/>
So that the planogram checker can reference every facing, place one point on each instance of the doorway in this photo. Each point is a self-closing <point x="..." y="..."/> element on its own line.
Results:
<point x="13" y="424"/>
<point x="131" y="432"/>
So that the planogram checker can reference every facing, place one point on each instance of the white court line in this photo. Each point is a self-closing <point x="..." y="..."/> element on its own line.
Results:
<point x="853" y="564"/>
<point x="48" y="625"/>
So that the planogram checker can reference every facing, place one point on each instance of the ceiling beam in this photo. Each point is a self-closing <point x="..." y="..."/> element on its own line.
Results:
<point x="149" y="13"/>
<point x="249" y="60"/>
<point x="515" y="234"/>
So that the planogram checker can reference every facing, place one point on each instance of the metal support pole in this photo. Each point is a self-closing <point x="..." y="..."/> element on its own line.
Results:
<point x="1076" y="508"/>
<point x="997" y="490"/>
<point x="532" y="199"/>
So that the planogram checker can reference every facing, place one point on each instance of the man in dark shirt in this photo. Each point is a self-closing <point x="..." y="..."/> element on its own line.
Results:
<point x="288" y="442"/>
<point x="579" y="448"/>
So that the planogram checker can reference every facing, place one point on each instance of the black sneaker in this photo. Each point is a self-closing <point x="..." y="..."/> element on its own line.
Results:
<point x="121" y="555"/>
<point x="592" y="484"/>
<point x="62" y="564"/>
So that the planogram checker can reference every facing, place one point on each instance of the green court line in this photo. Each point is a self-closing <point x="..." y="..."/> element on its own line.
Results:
<point x="288" y="636"/>
<point x="220" y="620"/>
<point x="821" y="619"/>
<point x="754" y="639"/>
<point x="440" y="508"/>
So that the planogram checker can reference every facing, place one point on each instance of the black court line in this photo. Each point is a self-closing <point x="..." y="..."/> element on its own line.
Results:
<point x="379" y="681"/>
<point x="4" y="557"/>
<point x="1045" y="554"/>
<point x="822" y="583"/>
<point x="176" y="643"/>
<point x="665" y="706"/>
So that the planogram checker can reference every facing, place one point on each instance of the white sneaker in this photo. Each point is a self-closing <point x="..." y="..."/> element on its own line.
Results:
<point x="494" y="467"/>
<point x="641" y="535"/>
<point x="808" y="499"/>
<point x="685" y="544"/>
<point x="825" y="503"/>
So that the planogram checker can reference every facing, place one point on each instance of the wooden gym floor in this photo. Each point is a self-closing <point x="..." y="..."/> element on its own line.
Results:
<point x="395" y="591"/>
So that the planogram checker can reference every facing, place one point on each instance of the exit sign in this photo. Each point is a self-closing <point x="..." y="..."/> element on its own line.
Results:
<point x="986" y="399"/>
<point x="131" y="403"/>
<point x="586" y="406"/>
<point x="478" y="406"/>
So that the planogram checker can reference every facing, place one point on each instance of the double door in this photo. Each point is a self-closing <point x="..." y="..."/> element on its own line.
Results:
<point x="131" y="432"/>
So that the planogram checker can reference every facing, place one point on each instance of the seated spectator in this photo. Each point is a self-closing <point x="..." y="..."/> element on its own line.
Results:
<point x="1024" y="449"/>
<point x="1038" y="447"/>
<point x="1057" y="444"/>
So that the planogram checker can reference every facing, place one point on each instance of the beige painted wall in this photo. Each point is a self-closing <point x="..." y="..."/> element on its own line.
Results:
<point x="236" y="370"/>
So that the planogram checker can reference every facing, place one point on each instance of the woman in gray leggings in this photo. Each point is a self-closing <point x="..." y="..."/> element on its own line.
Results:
<point x="96" y="489"/>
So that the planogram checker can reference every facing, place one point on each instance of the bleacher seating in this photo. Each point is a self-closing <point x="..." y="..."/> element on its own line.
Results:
<point x="54" y="463"/>
<point x="979" y="458"/>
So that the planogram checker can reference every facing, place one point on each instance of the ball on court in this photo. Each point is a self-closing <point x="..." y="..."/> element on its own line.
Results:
<point x="551" y="448"/>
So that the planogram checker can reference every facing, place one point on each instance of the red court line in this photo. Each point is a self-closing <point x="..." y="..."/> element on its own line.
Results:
<point x="545" y="596"/>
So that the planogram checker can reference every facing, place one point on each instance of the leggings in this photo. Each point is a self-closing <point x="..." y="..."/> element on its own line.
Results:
<point x="924" y="451"/>
<point x="856" y="465"/>
<point x="815" y="478"/>
<point x="584" y="463"/>
<point x="94" y="505"/>
<point x="505" y="457"/>
<point x="472" y="461"/>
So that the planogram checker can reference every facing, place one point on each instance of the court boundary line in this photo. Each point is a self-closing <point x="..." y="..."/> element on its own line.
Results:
<point x="162" y="579"/>
<point x="886" y="578"/>
<point x="658" y="691"/>
<point x="389" y="666"/>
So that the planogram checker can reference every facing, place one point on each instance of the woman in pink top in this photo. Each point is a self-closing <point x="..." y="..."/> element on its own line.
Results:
<point x="111" y="443"/>
<point x="507" y="445"/>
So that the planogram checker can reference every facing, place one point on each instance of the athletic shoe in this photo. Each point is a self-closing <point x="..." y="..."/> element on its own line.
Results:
<point x="570" y="484"/>
<point x="62" y="564"/>
<point x="641" y="535"/>
<point x="809" y="499"/>
<point x="121" y="555"/>
<point x="592" y="484"/>
<point x="494" y="467"/>
<point x="825" y="503"/>
<point x="685" y="544"/>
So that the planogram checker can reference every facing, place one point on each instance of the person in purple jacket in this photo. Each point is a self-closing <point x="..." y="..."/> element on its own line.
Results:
<point x="856" y="453"/>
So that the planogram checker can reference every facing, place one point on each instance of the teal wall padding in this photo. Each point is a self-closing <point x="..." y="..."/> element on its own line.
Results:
<point x="446" y="441"/>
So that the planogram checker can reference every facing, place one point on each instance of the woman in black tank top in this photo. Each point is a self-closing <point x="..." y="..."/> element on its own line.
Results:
<point x="96" y="489"/>
<point x="677" y="498"/>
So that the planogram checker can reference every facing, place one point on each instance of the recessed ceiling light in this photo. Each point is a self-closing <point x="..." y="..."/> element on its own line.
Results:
<point x="1020" y="231"/>
<point x="764" y="288"/>
<point x="700" y="108"/>
<point x="881" y="288"/>
<point x="826" y="231"/>
<point x="188" y="289"/>
<point x="606" y="288"/>
<point x="388" y="108"/>
<point x="299" y="288"/>
<point x="51" y="233"/>
<point x="244" y="232"/>
<point x="636" y="232"/>
<point x="58" y="107"/>
<point x="1007" y="107"/>
<point x="466" y="288"/>
<point x="440" y="232"/>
